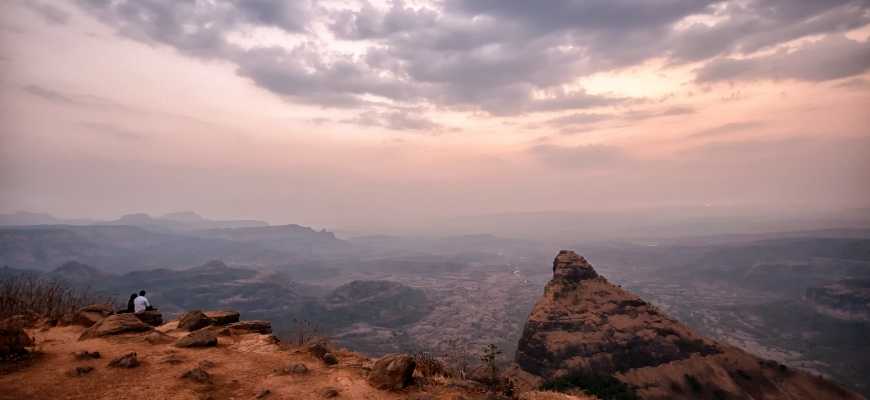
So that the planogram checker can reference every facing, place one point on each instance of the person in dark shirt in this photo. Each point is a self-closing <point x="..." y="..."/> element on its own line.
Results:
<point x="130" y="306"/>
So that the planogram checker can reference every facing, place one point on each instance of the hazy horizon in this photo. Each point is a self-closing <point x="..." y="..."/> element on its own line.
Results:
<point x="386" y="116"/>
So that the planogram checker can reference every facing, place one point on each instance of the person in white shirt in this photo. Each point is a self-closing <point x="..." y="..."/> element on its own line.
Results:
<point x="141" y="303"/>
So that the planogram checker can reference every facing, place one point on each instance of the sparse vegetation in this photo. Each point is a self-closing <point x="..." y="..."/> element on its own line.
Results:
<point x="45" y="298"/>
<point x="605" y="387"/>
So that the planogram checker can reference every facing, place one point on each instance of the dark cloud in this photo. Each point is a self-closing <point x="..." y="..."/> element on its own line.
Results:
<point x="833" y="57"/>
<point x="497" y="56"/>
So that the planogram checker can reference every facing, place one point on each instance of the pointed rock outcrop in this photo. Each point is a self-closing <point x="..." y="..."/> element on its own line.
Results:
<point x="585" y="329"/>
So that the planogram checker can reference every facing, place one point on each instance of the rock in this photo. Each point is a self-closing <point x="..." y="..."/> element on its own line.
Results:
<point x="201" y="338"/>
<point x="317" y="350"/>
<point x="89" y="315"/>
<point x="87" y="355"/>
<point x="158" y="337"/>
<point x="255" y="326"/>
<point x="568" y="265"/>
<point x="173" y="359"/>
<point x="206" y="364"/>
<point x="297" y="369"/>
<point x="150" y="317"/>
<point x="264" y="393"/>
<point x="197" y="375"/>
<point x="583" y="322"/>
<point x="80" y="371"/>
<point x="223" y="317"/>
<point x="329" y="359"/>
<point x="115" y="324"/>
<point x="392" y="372"/>
<point x="129" y="360"/>
<point x="328" y="393"/>
<point x="193" y="320"/>
<point x="13" y="340"/>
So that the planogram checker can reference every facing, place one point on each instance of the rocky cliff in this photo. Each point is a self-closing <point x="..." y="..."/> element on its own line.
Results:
<point x="585" y="326"/>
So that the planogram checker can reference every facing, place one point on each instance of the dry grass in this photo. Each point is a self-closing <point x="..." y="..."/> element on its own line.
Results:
<point x="45" y="298"/>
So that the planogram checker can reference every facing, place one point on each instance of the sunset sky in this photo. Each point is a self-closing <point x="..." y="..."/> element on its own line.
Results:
<point x="385" y="114"/>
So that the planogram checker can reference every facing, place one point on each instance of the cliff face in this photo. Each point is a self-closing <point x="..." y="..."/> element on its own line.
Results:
<point x="584" y="324"/>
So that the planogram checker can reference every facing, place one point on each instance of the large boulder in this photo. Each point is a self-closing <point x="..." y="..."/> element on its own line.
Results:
<point x="150" y="317"/>
<point x="200" y="338"/>
<point x="193" y="320"/>
<point x="115" y="324"/>
<point x="223" y="317"/>
<point x="256" y="326"/>
<point x="89" y="315"/>
<point x="13" y="339"/>
<point x="392" y="372"/>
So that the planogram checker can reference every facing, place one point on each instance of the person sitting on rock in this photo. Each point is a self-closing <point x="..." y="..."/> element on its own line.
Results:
<point x="141" y="303"/>
<point x="130" y="303"/>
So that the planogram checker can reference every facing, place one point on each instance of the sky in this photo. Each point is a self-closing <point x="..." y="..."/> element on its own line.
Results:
<point x="394" y="114"/>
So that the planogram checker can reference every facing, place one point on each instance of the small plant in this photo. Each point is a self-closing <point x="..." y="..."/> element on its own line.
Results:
<point x="304" y="331"/>
<point x="490" y="361"/>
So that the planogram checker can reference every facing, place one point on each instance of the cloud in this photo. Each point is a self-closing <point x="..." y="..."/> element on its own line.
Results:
<point x="400" y="120"/>
<point x="495" y="56"/>
<point x="48" y="94"/>
<point x="571" y="122"/>
<point x="830" y="58"/>
<point x="111" y="130"/>
<point x="50" y="13"/>
<point x="727" y="129"/>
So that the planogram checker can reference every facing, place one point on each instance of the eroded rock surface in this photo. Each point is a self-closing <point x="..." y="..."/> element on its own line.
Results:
<point x="115" y="324"/>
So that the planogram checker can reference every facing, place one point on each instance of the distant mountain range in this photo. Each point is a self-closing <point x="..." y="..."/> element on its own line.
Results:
<point x="123" y="248"/>
<point x="172" y="222"/>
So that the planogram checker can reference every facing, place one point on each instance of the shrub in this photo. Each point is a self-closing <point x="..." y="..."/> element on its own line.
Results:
<point x="605" y="387"/>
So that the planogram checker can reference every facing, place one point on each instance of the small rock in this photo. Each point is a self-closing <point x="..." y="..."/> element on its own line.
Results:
<point x="197" y="375"/>
<point x="150" y="317"/>
<point x="256" y="326"/>
<point x="13" y="339"/>
<point x="80" y="371"/>
<point x="193" y="320"/>
<point x="297" y="369"/>
<point x="89" y="315"/>
<point x="173" y="359"/>
<point x="200" y="338"/>
<point x="392" y="371"/>
<point x="224" y="317"/>
<point x="318" y="350"/>
<point x="129" y="360"/>
<point x="329" y="359"/>
<point x="158" y="337"/>
<point x="329" y="393"/>
<point x="264" y="393"/>
<point x="86" y="355"/>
